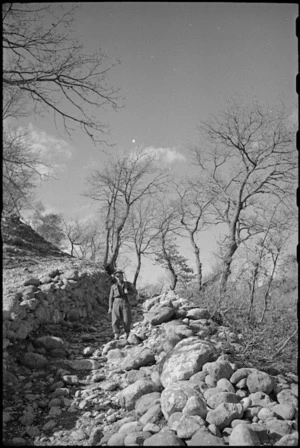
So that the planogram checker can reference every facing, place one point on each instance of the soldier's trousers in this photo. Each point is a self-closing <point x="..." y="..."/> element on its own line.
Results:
<point x="121" y="315"/>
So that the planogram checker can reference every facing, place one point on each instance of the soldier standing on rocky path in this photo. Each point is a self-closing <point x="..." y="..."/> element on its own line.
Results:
<point x="119" y="305"/>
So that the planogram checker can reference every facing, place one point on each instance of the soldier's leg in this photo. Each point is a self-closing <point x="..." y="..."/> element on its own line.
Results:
<point x="116" y="318"/>
<point x="127" y="318"/>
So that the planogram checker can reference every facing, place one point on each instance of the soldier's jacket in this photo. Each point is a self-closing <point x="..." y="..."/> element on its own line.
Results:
<point x="117" y="291"/>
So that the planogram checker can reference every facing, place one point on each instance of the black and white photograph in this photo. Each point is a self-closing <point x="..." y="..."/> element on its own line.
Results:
<point x="150" y="223"/>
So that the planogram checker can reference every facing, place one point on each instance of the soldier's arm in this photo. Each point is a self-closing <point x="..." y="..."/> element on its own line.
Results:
<point x="110" y="301"/>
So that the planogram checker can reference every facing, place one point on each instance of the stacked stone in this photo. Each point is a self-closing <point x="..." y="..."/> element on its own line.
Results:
<point x="54" y="297"/>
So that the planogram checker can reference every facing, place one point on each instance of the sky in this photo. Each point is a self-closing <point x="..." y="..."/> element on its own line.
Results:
<point x="179" y="63"/>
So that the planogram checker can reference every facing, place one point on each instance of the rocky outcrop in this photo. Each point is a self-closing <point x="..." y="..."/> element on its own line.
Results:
<point x="53" y="297"/>
<point x="176" y="383"/>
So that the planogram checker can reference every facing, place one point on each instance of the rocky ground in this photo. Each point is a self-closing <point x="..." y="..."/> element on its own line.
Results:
<point x="177" y="381"/>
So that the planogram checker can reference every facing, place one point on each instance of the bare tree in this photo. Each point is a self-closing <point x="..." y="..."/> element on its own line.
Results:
<point x="263" y="252"/>
<point x="93" y="241"/>
<point x="13" y="103"/>
<point x="91" y="244"/>
<point x="274" y="245"/>
<point x="168" y="227"/>
<point x="193" y="208"/>
<point x="176" y="264"/>
<point x="22" y="170"/>
<point x="48" y="69"/>
<point x="117" y="187"/>
<point x="73" y="232"/>
<point x="142" y="232"/>
<point x="83" y="238"/>
<point x="246" y="154"/>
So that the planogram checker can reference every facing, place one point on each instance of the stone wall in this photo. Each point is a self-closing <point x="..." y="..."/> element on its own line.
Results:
<point x="53" y="297"/>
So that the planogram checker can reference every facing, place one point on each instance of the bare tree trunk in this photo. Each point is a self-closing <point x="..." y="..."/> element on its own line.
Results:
<point x="170" y="268"/>
<point x="137" y="271"/>
<point x="174" y="277"/>
<point x="110" y="266"/>
<point x="173" y="280"/>
<point x="254" y="278"/>
<point x="197" y="257"/>
<point x="198" y="265"/>
<point x="232" y="247"/>
<point x="105" y="258"/>
<point x="267" y="295"/>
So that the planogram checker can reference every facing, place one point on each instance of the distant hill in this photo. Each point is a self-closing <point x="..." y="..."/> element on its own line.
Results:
<point x="21" y="243"/>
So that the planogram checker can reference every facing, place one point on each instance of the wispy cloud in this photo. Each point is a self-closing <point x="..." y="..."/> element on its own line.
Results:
<point x="52" y="151"/>
<point x="166" y="155"/>
<point x="293" y="117"/>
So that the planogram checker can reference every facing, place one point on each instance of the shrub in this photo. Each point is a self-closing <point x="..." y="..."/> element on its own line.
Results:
<point x="270" y="344"/>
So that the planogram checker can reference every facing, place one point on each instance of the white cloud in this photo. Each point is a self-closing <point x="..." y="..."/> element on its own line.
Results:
<point x="52" y="151"/>
<point x="293" y="117"/>
<point x="166" y="155"/>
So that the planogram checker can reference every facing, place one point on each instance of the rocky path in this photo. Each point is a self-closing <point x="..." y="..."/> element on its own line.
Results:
<point x="176" y="383"/>
<point x="61" y="403"/>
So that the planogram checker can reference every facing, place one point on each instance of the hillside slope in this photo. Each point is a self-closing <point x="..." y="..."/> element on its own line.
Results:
<point x="22" y="243"/>
<point x="25" y="253"/>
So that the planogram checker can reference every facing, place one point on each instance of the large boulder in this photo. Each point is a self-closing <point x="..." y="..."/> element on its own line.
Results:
<point x="198" y="313"/>
<point x="195" y="406"/>
<point x="203" y="437"/>
<point x="243" y="435"/>
<point x="136" y="438"/>
<point x="34" y="361"/>
<point x="128" y="397"/>
<point x="163" y="314"/>
<point x="146" y="401"/>
<point x="137" y="357"/>
<point x="132" y="376"/>
<point x="186" y="359"/>
<point x="221" y="397"/>
<point x="153" y="415"/>
<point x="286" y="396"/>
<point x="260" y="381"/>
<point x="278" y="428"/>
<point x="50" y="343"/>
<point x="164" y="438"/>
<point x="288" y="440"/>
<point x="223" y="415"/>
<point x="225" y="385"/>
<point x="188" y="425"/>
<point x="175" y="399"/>
<point x="260" y="399"/>
<point x="177" y="327"/>
<point x="240" y="374"/>
<point x="111" y="345"/>
<point x="84" y="364"/>
<point x="131" y="358"/>
<point x="218" y="369"/>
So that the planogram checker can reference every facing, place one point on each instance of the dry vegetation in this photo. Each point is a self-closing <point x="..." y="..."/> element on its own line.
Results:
<point x="271" y="345"/>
